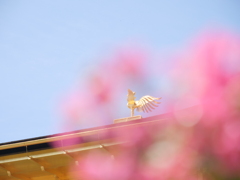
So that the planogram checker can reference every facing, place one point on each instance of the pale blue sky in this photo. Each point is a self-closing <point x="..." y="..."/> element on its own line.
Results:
<point x="46" y="45"/>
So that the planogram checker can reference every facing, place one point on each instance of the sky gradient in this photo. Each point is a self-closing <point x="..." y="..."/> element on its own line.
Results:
<point x="46" y="47"/>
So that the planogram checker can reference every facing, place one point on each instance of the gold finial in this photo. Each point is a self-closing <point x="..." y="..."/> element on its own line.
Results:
<point x="145" y="104"/>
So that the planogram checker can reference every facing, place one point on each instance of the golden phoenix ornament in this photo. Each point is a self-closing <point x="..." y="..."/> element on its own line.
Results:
<point x="145" y="104"/>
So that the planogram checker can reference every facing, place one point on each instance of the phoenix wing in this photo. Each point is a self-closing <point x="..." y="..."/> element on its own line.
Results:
<point x="147" y="103"/>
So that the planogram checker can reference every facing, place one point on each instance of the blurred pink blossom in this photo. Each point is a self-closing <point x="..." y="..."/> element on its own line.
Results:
<point x="201" y="140"/>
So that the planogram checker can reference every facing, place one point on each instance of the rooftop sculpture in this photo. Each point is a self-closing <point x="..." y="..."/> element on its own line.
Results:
<point x="145" y="104"/>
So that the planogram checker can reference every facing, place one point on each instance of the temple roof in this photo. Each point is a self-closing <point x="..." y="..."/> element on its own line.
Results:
<point x="49" y="157"/>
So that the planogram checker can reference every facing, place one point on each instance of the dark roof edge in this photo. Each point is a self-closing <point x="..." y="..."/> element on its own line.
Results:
<point x="167" y="115"/>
